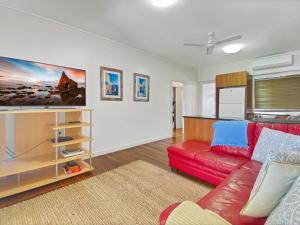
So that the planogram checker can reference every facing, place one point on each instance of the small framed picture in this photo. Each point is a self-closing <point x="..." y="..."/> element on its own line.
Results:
<point x="111" y="81"/>
<point x="141" y="87"/>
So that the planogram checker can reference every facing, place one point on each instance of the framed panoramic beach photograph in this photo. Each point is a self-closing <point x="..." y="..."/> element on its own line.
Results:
<point x="141" y="87"/>
<point x="111" y="81"/>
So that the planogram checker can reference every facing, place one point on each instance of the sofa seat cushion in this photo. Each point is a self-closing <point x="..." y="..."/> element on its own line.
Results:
<point x="232" y="194"/>
<point x="189" y="149"/>
<point x="196" y="165"/>
<point x="252" y="165"/>
<point x="195" y="169"/>
<point x="219" y="161"/>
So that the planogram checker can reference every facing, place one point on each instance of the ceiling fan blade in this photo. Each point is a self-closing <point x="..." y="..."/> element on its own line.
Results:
<point x="229" y="39"/>
<point x="194" y="45"/>
<point x="209" y="50"/>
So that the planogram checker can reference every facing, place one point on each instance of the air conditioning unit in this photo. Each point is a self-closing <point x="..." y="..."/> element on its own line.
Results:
<point x="272" y="62"/>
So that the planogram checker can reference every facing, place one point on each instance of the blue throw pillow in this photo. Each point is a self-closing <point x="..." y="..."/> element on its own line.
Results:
<point x="231" y="133"/>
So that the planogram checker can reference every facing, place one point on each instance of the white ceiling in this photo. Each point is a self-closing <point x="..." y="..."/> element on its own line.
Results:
<point x="267" y="26"/>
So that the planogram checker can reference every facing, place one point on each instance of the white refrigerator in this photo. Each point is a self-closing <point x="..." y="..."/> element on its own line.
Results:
<point x="232" y="103"/>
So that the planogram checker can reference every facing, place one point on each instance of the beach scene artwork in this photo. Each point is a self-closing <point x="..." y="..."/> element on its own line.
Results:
<point x="111" y="84"/>
<point x="31" y="83"/>
<point x="141" y="87"/>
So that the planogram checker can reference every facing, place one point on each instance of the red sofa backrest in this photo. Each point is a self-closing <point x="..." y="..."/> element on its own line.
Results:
<point x="294" y="129"/>
<point x="238" y="151"/>
<point x="273" y="126"/>
<point x="254" y="130"/>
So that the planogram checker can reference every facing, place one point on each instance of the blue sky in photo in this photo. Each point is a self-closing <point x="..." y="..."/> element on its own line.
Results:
<point x="142" y="81"/>
<point x="16" y="69"/>
<point x="113" y="78"/>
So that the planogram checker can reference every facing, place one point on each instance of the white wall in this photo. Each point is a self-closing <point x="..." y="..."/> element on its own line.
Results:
<point x="117" y="124"/>
<point x="209" y="73"/>
<point x="190" y="99"/>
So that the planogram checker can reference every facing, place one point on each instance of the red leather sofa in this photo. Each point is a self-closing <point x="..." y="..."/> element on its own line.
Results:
<point x="230" y="168"/>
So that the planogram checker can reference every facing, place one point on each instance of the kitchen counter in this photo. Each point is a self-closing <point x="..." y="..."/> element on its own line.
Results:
<point x="199" y="127"/>
<point x="262" y="120"/>
<point x="271" y="120"/>
<point x="209" y="117"/>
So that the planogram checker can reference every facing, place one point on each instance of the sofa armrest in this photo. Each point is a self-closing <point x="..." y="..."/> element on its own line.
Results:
<point x="189" y="149"/>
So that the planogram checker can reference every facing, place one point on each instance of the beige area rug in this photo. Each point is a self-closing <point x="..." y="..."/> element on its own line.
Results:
<point x="133" y="194"/>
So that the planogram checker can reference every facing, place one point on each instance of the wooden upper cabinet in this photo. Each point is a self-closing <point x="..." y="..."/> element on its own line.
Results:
<point x="232" y="79"/>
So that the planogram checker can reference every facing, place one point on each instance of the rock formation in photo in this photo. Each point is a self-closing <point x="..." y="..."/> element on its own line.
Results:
<point x="66" y="84"/>
<point x="69" y="91"/>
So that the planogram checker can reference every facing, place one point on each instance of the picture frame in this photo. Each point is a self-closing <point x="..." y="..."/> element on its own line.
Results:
<point x="141" y="88"/>
<point x="111" y="84"/>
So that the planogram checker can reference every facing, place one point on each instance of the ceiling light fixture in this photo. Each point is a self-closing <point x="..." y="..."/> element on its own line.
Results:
<point x="163" y="3"/>
<point x="231" y="49"/>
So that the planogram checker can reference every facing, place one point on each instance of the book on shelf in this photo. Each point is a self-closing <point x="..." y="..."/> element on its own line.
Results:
<point x="71" y="152"/>
<point x="62" y="139"/>
<point x="71" y="167"/>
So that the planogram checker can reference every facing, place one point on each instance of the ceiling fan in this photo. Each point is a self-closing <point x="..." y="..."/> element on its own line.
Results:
<point x="212" y="43"/>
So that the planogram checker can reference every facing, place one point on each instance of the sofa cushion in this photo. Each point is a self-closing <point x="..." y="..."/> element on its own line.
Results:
<point x="189" y="149"/>
<point x="219" y="161"/>
<point x="195" y="169"/>
<point x="288" y="210"/>
<point x="274" y="139"/>
<point x="252" y="165"/>
<point x="273" y="181"/>
<point x="194" y="164"/>
<point x="238" y="151"/>
<point x="231" y="195"/>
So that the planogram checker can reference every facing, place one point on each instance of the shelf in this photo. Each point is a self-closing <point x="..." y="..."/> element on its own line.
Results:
<point x="36" y="127"/>
<point x="9" y="186"/>
<point x="16" y="166"/>
<point x="76" y="140"/>
<point x="22" y="111"/>
<point x="71" y="125"/>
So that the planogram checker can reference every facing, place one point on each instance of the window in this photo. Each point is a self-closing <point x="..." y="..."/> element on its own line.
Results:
<point x="281" y="93"/>
<point x="209" y="99"/>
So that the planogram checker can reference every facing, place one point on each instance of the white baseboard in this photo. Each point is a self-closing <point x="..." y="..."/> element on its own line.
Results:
<point x="123" y="147"/>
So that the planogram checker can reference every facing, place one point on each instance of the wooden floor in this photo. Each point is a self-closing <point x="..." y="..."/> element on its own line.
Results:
<point x="154" y="153"/>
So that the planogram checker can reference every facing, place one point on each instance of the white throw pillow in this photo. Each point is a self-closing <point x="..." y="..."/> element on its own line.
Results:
<point x="189" y="213"/>
<point x="288" y="210"/>
<point x="273" y="181"/>
<point x="273" y="139"/>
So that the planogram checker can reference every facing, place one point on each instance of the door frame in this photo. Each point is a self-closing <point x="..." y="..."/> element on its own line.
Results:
<point x="171" y="102"/>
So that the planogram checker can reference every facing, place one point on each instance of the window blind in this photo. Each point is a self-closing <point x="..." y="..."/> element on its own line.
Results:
<point x="278" y="93"/>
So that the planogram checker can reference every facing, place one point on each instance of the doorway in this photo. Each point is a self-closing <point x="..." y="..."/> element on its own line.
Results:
<point x="177" y="107"/>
